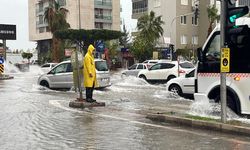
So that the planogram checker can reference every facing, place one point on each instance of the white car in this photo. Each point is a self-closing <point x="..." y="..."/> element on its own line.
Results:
<point x="183" y="85"/>
<point x="47" y="67"/>
<point x="61" y="76"/>
<point x="165" y="71"/>
<point x="150" y="63"/>
<point x="134" y="69"/>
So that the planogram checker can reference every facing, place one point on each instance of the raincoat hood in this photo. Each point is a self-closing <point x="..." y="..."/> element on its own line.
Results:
<point x="91" y="48"/>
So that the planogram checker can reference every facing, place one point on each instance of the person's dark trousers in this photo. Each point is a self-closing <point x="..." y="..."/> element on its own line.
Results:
<point x="89" y="92"/>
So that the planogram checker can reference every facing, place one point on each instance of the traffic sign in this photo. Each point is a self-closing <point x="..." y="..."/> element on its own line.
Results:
<point x="1" y="68"/>
<point x="225" y="60"/>
<point x="1" y="60"/>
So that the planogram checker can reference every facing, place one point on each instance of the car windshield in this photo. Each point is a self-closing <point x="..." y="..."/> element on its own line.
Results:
<point x="101" y="66"/>
<point x="186" y="65"/>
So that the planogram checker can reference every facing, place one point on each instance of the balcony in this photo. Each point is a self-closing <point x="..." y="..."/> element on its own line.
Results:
<point x="137" y="13"/>
<point x="103" y="18"/>
<point x="103" y="4"/>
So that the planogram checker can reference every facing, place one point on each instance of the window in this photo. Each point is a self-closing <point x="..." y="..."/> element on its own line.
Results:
<point x="133" y="67"/>
<point x="157" y="3"/>
<point x="183" y="39"/>
<point x="194" y="21"/>
<point x="183" y="19"/>
<point x="140" y="6"/>
<point x="195" y="40"/>
<point x="213" y="49"/>
<point x="167" y="66"/>
<point x="101" y="66"/>
<point x="186" y="65"/>
<point x="184" y="2"/>
<point x="156" y="67"/>
<point x="60" y="69"/>
<point x="140" y="66"/>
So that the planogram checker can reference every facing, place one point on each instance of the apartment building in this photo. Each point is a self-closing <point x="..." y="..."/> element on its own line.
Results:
<point x="84" y="14"/>
<point x="181" y="28"/>
<point x="243" y="3"/>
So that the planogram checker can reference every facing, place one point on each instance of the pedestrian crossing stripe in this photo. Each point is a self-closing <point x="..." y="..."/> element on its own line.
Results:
<point x="1" y="68"/>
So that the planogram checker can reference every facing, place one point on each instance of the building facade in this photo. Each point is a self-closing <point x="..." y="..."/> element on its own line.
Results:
<point x="244" y="3"/>
<point x="181" y="28"/>
<point x="82" y="14"/>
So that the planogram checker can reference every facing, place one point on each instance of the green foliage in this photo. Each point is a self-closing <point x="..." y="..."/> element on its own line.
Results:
<point x="124" y="40"/>
<point x="150" y="27"/>
<point x="27" y="55"/>
<point x="112" y="47"/>
<point x="141" y="49"/>
<point x="213" y="16"/>
<point x="150" y="31"/>
<point x="88" y="35"/>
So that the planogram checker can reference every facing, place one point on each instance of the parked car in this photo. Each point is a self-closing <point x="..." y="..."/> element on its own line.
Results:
<point x="134" y="69"/>
<point x="61" y="76"/>
<point x="165" y="71"/>
<point x="183" y="85"/>
<point x="47" y="67"/>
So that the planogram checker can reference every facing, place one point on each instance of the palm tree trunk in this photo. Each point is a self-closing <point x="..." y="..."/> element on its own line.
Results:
<point x="210" y="28"/>
<point x="55" y="49"/>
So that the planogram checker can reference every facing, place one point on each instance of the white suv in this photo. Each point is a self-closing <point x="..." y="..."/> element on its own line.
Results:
<point x="165" y="71"/>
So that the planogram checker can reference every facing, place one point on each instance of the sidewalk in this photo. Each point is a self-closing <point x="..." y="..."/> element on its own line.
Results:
<point x="232" y="127"/>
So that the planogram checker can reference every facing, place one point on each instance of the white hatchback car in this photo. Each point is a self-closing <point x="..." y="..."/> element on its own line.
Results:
<point x="61" y="76"/>
<point x="165" y="71"/>
<point x="183" y="85"/>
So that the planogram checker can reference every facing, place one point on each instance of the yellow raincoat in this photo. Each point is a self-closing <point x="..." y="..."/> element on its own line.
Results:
<point x="89" y="68"/>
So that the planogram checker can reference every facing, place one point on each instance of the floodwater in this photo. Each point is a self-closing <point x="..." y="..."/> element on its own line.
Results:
<point x="33" y="117"/>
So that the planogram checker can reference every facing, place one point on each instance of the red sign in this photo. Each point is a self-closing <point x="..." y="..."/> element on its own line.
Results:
<point x="68" y="52"/>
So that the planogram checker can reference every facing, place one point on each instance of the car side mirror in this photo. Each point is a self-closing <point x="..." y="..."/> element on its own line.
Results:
<point x="199" y="54"/>
<point x="52" y="72"/>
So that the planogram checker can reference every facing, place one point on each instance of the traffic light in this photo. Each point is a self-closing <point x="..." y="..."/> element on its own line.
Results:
<point x="232" y="30"/>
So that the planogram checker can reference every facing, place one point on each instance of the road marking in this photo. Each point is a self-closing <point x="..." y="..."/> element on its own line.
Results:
<point x="58" y="105"/>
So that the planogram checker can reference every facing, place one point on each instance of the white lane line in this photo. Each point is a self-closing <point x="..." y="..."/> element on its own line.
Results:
<point x="57" y="104"/>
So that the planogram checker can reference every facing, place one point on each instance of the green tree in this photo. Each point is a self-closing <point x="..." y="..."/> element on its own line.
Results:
<point x="141" y="50"/>
<point x="213" y="17"/>
<point x="150" y="27"/>
<point x="150" y="30"/>
<point x="124" y="40"/>
<point x="56" y="15"/>
<point x="27" y="56"/>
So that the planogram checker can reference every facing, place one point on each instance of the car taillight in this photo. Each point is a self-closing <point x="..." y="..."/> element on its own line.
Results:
<point x="182" y="71"/>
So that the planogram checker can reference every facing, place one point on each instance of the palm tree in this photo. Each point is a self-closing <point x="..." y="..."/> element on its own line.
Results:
<point x="213" y="16"/>
<point x="56" y="15"/>
<point x="150" y="27"/>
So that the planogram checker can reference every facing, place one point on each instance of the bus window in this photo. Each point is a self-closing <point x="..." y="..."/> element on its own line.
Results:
<point x="213" y="50"/>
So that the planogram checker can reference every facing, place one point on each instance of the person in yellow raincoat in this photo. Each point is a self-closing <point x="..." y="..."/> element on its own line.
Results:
<point x="89" y="74"/>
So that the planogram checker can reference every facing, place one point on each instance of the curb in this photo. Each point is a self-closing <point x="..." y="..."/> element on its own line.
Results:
<point x="6" y="77"/>
<point x="225" y="128"/>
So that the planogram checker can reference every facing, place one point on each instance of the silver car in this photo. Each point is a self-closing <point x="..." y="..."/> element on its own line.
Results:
<point x="61" y="76"/>
<point x="134" y="69"/>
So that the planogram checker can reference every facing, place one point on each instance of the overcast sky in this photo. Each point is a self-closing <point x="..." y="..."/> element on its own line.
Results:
<point x="16" y="12"/>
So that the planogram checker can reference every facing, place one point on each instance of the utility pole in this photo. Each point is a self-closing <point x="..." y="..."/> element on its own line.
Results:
<point x="223" y="88"/>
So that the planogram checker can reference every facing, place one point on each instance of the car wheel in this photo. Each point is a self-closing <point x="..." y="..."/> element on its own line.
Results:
<point x="44" y="83"/>
<point x="143" y="77"/>
<point x="175" y="89"/>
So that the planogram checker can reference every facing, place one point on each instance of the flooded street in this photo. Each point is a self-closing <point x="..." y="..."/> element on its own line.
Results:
<point x="33" y="117"/>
